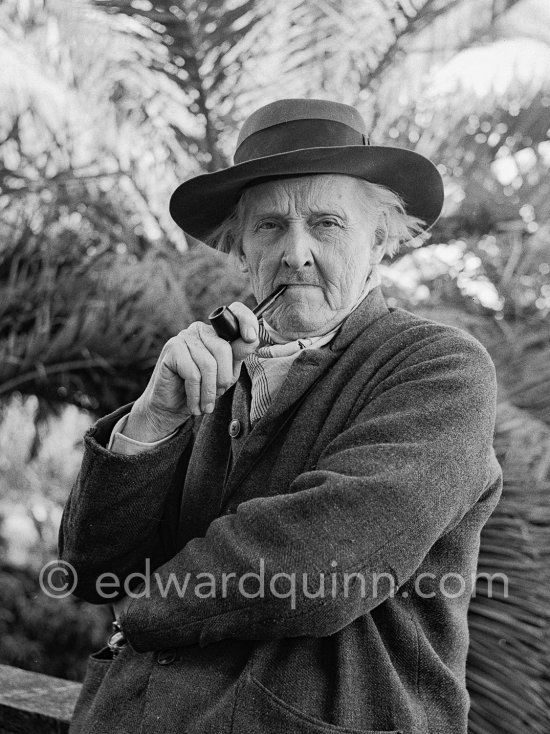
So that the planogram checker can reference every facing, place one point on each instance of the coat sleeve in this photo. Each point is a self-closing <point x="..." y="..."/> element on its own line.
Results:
<point x="404" y="472"/>
<point x="122" y="510"/>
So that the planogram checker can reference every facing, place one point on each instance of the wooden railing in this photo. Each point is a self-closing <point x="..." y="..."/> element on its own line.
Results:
<point x="32" y="703"/>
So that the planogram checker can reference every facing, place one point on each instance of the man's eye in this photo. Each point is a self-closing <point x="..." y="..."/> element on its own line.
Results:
<point x="265" y="226"/>
<point x="328" y="223"/>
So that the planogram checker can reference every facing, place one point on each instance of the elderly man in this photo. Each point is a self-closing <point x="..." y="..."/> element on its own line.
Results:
<point x="289" y="522"/>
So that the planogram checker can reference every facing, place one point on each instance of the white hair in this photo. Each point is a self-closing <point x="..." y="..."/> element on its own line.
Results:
<point x="394" y="225"/>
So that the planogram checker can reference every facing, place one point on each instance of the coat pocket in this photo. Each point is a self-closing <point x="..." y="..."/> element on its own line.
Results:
<point x="259" y="711"/>
<point x="98" y="665"/>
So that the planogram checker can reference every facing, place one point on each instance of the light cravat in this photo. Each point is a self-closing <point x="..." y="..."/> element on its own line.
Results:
<point x="269" y="365"/>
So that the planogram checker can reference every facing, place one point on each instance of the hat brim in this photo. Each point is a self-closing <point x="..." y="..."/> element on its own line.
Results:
<point x="201" y="204"/>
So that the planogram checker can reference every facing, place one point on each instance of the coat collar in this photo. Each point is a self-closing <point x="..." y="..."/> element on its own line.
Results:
<point x="369" y="310"/>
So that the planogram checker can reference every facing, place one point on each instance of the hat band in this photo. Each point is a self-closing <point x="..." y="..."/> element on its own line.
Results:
<point x="296" y="135"/>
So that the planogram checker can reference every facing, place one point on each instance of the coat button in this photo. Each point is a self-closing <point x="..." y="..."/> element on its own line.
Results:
<point x="167" y="657"/>
<point x="234" y="428"/>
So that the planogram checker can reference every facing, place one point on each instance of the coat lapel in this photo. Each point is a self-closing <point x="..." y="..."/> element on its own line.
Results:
<point x="306" y="370"/>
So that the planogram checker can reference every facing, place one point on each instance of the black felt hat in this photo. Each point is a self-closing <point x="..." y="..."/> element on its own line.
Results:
<point x="296" y="137"/>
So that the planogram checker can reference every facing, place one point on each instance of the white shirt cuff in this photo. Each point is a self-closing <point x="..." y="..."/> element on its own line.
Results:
<point x="121" y="444"/>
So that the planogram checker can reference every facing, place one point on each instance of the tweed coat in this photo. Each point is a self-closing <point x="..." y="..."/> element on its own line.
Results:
<point x="375" y="457"/>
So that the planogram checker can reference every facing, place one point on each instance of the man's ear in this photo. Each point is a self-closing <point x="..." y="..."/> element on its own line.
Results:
<point x="378" y="250"/>
<point x="381" y="240"/>
<point x="236" y="254"/>
<point x="243" y="267"/>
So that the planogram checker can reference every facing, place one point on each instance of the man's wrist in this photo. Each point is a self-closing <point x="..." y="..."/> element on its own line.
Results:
<point x="140" y="428"/>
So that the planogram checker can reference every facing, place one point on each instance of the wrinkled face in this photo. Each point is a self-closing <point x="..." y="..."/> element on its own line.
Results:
<point x="317" y="235"/>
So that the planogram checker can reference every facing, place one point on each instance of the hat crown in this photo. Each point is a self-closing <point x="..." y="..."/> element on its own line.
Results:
<point x="294" y="124"/>
<point x="288" y="110"/>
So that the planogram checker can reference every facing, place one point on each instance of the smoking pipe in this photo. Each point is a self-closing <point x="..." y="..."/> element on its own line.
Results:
<point x="225" y="322"/>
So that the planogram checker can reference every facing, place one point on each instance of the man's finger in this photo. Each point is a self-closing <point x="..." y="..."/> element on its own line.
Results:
<point x="222" y="353"/>
<point x="248" y="323"/>
<point x="179" y="361"/>
<point x="208" y="368"/>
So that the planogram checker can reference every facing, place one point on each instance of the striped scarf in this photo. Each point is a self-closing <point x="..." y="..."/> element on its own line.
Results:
<point x="269" y="365"/>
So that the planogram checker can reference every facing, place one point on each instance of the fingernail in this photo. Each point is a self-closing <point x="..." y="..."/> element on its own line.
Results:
<point x="220" y="391"/>
<point x="251" y="334"/>
<point x="209" y="408"/>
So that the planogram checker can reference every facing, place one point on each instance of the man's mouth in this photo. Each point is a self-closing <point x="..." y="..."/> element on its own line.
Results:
<point x="302" y="285"/>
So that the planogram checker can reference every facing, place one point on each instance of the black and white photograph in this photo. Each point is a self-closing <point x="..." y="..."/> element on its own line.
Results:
<point x="274" y="367"/>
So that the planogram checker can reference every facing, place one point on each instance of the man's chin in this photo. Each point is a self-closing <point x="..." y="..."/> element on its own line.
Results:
<point x="295" y="326"/>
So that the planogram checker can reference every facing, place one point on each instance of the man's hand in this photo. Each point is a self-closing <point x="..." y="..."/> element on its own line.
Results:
<point x="194" y="368"/>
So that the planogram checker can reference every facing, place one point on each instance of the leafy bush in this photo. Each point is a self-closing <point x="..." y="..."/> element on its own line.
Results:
<point x="52" y="636"/>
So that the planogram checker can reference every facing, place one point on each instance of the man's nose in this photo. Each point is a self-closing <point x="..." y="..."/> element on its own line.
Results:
<point x="296" y="248"/>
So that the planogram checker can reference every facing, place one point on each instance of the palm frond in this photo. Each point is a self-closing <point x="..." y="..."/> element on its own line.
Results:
<point x="510" y="627"/>
<point x="96" y="114"/>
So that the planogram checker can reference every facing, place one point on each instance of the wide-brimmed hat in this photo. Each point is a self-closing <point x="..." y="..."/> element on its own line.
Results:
<point x="296" y="137"/>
